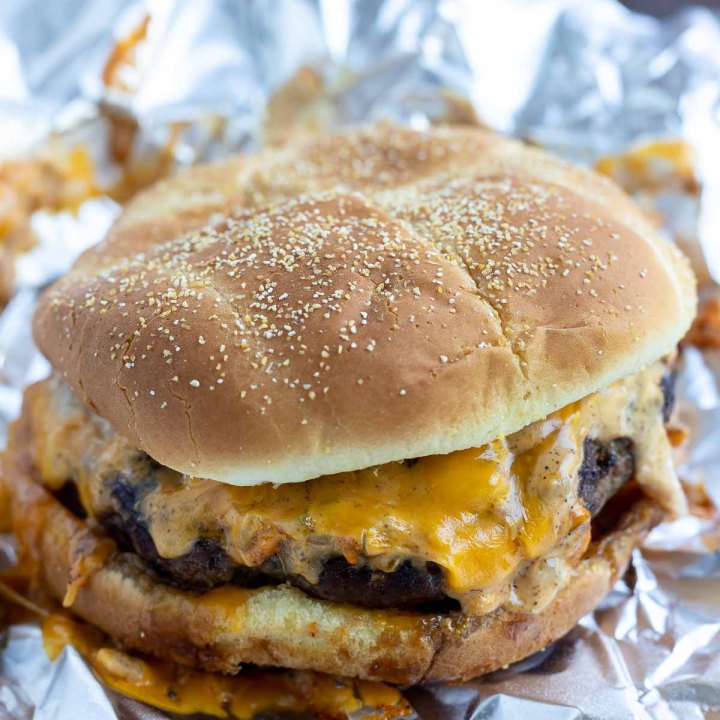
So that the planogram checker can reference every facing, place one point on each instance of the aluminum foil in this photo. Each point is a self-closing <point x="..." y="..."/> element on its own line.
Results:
<point x="588" y="79"/>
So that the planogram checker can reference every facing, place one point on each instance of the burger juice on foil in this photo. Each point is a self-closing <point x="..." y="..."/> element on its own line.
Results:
<point x="389" y="404"/>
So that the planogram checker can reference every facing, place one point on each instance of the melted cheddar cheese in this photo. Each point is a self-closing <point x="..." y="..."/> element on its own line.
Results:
<point x="502" y="521"/>
<point x="243" y="696"/>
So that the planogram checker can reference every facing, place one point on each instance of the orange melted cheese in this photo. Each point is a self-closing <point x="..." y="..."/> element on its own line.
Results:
<point x="659" y="164"/>
<point x="57" y="178"/>
<point x="467" y="511"/>
<point x="491" y="517"/>
<point x="243" y="696"/>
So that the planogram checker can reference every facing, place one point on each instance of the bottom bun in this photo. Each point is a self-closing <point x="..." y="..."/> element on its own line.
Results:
<point x="222" y="629"/>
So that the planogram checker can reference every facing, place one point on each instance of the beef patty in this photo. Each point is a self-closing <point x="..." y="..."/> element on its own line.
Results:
<point x="207" y="565"/>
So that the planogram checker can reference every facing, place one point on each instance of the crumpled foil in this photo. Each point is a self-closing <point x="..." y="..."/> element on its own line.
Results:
<point x="587" y="79"/>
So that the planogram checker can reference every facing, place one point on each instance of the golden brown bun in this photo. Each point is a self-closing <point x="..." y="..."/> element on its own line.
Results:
<point x="282" y="626"/>
<point x="362" y="298"/>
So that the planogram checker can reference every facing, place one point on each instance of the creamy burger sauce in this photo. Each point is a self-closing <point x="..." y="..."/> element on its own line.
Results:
<point x="504" y="521"/>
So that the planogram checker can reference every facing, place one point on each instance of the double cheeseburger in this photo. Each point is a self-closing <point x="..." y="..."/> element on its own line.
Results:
<point x="387" y="404"/>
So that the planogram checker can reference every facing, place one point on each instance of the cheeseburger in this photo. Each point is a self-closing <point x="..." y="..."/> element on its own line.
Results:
<point x="387" y="404"/>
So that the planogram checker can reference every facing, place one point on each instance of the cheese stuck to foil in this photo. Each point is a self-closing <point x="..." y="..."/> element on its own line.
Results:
<point x="250" y="693"/>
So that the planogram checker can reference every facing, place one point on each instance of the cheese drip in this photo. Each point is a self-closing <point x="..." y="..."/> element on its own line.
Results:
<point x="499" y="520"/>
<point x="250" y="693"/>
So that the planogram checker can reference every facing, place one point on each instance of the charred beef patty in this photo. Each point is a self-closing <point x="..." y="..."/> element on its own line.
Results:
<point x="605" y="469"/>
<point x="207" y="566"/>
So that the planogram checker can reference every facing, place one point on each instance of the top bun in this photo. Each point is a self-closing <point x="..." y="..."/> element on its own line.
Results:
<point x="361" y="298"/>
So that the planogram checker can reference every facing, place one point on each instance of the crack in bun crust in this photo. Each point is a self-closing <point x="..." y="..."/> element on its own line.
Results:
<point x="372" y="296"/>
